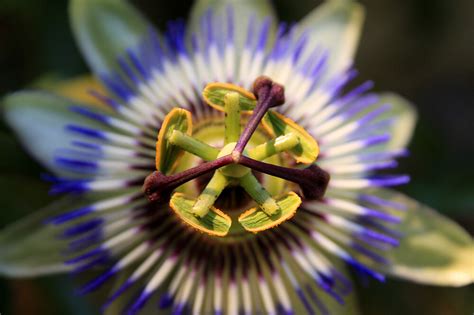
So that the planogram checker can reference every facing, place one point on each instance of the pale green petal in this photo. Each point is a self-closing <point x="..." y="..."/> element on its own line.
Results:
<point x="335" y="26"/>
<point x="104" y="29"/>
<point x="31" y="248"/>
<point x="243" y="10"/>
<point x="434" y="250"/>
<point x="39" y="120"/>
<point x="405" y="116"/>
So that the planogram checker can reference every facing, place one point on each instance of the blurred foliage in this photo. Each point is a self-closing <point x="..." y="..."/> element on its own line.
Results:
<point x="418" y="48"/>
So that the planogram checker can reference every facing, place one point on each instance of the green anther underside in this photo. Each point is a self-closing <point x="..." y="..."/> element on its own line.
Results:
<point x="232" y="117"/>
<point x="270" y="211"/>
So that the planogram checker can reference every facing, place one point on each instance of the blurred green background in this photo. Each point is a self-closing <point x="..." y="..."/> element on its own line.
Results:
<point x="421" y="49"/>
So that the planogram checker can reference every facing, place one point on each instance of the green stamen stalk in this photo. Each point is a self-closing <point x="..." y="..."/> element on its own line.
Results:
<point x="232" y="117"/>
<point x="258" y="193"/>
<point x="278" y="145"/>
<point x="193" y="146"/>
<point x="210" y="194"/>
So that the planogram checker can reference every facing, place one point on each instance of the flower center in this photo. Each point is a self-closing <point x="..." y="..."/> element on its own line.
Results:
<point x="233" y="171"/>
<point x="232" y="164"/>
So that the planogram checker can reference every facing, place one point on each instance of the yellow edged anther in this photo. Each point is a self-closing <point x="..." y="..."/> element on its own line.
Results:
<point x="214" y="95"/>
<point x="255" y="221"/>
<point x="167" y="154"/>
<point x="215" y="222"/>
<point x="232" y="117"/>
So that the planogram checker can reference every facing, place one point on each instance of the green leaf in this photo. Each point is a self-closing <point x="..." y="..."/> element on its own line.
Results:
<point x="39" y="119"/>
<point x="405" y="117"/>
<point x="307" y="150"/>
<point x="104" y="29"/>
<point x="243" y="10"/>
<point x="434" y="250"/>
<point x="335" y="26"/>
<point x="215" y="222"/>
<point x="30" y="247"/>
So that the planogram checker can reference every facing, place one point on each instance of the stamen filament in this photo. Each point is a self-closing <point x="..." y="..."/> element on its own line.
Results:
<point x="259" y="194"/>
<point x="275" y="146"/>
<point x="193" y="146"/>
<point x="313" y="180"/>
<point x="210" y="194"/>
<point x="232" y="117"/>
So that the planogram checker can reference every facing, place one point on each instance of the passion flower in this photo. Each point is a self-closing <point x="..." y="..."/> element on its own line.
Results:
<point x="229" y="168"/>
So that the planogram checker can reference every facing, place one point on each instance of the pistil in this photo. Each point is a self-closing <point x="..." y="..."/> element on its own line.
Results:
<point x="158" y="186"/>
<point x="269" y="94"/>
<point x="312" y="180"/>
